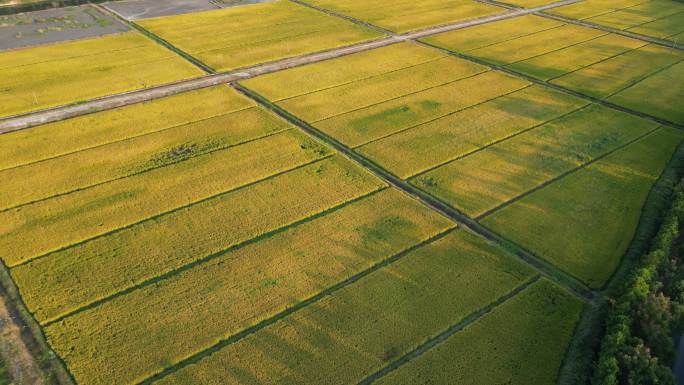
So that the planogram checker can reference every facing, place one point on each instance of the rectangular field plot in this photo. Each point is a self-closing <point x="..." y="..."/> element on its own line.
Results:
<point x="522" y="341"/>
<point x="348" y="335"/>
<point x="598" y="64"/>
<point x="242" y="36"/>
<point x="65" y="280"/>
<point x="142" y="332"/>
<point x="584" y="222"/>
<point x="42" y="227"/>
<point x="432" y="144"/>
<point x="100" y="164"/>
<point x="663" y="19"/>
<point x="489" y="178"/>
<point x="72" y="135"/>
<point x="46" y="76"/>
<point x="407" y="15"/>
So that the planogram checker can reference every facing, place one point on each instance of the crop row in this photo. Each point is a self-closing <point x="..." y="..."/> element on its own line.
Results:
<point x="66" y="280"/>
<point x="522" y="341"/>
<point x="357" y="330"/>
<point x="134" y="335"/>
<point x="52" y="224"/>
<point x="87" y="131"/>
<point x="236" y="37"/>
<point x="606" y="66"/>
<point x="116" y="160"/>
<point x="51" y="75"/>
<point x="584" y="222"/>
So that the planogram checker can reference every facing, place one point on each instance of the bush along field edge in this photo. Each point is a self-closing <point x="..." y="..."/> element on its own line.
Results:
<point x="586" y="351"/>
<point x="638" y="346"/>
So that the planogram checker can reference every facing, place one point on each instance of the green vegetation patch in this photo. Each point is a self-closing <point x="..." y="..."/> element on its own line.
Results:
<point x="489" y="178"/>
<point x="520" y="342"/>
<point x="362" y="327"/>
<point x="140" y="333"/>
<point x="584" y="222"/>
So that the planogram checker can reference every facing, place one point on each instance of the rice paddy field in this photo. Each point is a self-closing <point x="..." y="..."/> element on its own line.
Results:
<point x="447" y="210"/>
<point x="242" y="36"/>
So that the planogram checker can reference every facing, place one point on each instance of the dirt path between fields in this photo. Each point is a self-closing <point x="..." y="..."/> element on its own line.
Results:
<point x="20" y="362"/>
<point x="28" y="120"/>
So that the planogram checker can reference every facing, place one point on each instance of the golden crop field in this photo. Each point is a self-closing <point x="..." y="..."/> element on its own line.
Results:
<point x="662" y="19"/>
<point x="589" y="61"/>
<point x="345" y="337"/>
<point x="46" y="76"/>
<point x="610" y="189"/>
<point x="485" y="180"/>
<point x="407" y="15"/>
<point x="536" y="321"/>
<point x="348" y="193"/>
<point x="303" y="260"/>
<point x="237" y="37"/>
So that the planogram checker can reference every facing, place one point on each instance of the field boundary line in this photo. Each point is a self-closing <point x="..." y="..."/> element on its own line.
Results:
<point x="564" y="174"/>
<point x="168" y="212"/>
<point x="51" y="157"/>
<point x="588" y="24"/>
<point x="444" y="335"/>
<point x="415" y="126"/>
<point x="209" y="257"/>
<point x="198" y="356"/>
<point x="136" y="173"/>
<point x="494" y="143"/>
<point x="154" y="37"/>
<point x="556" y="87"/>
<point x="635" y="82"/>
<point x="560" y="277"/>
<point x="33" y="118"/>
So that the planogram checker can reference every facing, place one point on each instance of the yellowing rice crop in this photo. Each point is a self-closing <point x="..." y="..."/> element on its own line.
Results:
<point x="349" y="335"/>
<point x="386" y="118"/>
<point x="489" y="178"/>
<point x="484" y="35"/>
<point x="429" y="145"/>
<point x="346" y="69"/>
<point x="51" y="75"/>
<point x="584" y="222"/>
<point x="101" y="164"/>
<point x="319" y="105"/>
<point x="521" y="341"/>
<point x="48" y="225"/>
<point x="406" y="15"/>
<point x="77" y="134"/>
<point x="74" y="277"/>
<point x="236" y="37"/>
<point x="154" y="325"/>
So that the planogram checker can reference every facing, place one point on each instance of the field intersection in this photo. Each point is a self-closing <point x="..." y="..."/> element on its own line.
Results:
<point x="329" y="192"/>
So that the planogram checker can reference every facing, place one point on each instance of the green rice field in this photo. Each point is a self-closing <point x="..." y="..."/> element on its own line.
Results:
<point x="446" y="196"/>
